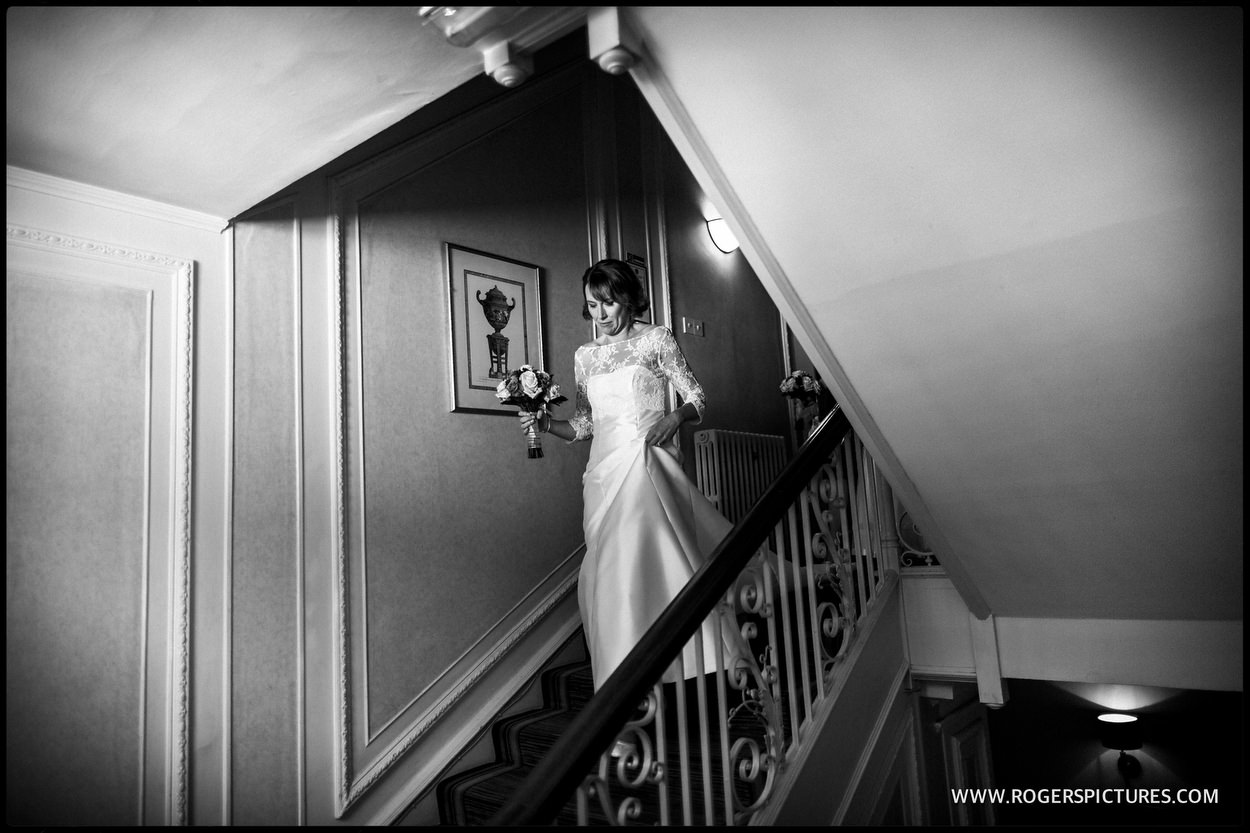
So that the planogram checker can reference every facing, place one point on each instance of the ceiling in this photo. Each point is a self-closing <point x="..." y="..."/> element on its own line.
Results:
<point x="1016" y="231"/>
<point x="214" y="108"/>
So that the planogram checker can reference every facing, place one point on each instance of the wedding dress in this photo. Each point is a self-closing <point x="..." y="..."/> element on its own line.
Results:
<point x="647" y="527"/>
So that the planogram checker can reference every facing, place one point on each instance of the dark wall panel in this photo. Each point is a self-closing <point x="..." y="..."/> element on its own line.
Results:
<point x="459" y="522"/>
<point x="739" y="358"/>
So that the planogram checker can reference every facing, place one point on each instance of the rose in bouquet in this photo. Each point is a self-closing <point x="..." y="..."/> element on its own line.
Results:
<point x="801" y="386"/>
<point x="530" y="390"/>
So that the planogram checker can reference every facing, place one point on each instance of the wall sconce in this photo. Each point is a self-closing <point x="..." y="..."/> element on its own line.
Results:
<point x="721" y="236"/>
<point x="1121" y="731"/>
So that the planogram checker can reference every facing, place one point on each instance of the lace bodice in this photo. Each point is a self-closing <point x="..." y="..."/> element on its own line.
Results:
<point x="659" y="359"/>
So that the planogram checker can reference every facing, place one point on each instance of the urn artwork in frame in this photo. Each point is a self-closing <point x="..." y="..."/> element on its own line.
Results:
<point x="495" y="316"/>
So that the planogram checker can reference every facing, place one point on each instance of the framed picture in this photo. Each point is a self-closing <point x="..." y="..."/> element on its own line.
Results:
<point x="495" y="312"/>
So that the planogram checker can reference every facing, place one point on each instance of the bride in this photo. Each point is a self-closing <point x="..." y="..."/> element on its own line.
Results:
<point x="647" y="528"/>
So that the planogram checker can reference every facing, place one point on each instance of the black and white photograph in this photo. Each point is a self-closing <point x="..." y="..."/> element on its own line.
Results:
<point x="496" y="322"/>
<point x="510" y="416"/>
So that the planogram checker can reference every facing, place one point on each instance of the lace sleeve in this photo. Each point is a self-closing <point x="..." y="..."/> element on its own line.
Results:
<point x="673" y="364"/>
<point x="582" y="421"/>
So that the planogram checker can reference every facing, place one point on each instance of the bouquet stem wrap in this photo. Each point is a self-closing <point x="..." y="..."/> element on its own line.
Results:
<point x="534" y="440"/>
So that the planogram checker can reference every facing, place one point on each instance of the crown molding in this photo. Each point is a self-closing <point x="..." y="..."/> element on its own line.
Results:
<point x="91" y="195"/>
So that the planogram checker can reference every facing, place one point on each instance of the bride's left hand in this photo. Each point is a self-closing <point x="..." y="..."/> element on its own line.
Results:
<point x="664" y="430"/>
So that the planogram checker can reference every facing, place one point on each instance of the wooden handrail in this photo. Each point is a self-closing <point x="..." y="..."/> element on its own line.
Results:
<point x="552" y="782"/>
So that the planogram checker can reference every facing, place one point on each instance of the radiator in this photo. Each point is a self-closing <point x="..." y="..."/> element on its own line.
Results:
<point x="733" y="468"/>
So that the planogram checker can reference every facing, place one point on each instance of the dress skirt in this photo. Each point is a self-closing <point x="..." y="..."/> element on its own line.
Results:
<point x="648" y="529"/>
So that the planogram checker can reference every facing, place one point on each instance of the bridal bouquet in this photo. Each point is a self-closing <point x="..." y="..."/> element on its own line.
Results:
<point x="805" y="391"/>
<point x="530" y="390"/>
<point x="801" y="386"/>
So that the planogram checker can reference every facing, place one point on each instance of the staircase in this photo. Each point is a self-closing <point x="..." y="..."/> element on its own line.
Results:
<point x="802" y="570"/>
<point x="472" y="797"/>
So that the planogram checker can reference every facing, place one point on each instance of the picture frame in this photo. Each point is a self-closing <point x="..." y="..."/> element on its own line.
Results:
<point x="494" y="308"/>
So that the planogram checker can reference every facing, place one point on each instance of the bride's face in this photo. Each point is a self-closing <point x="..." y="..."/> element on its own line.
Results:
<point x="609" y="316"/>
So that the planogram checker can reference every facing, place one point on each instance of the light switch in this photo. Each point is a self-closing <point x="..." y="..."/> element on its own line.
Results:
<point x="693" y="326"/>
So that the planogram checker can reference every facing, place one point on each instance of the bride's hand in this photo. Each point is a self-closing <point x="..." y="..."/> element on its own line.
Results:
<point x="664" y="430"/>
<point x="529" y="418"/>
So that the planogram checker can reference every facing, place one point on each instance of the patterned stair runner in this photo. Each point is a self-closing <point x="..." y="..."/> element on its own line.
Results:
<point x="471" y="798"/>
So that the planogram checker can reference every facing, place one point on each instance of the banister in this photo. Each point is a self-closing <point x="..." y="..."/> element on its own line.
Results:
<point x="552" y="782"/>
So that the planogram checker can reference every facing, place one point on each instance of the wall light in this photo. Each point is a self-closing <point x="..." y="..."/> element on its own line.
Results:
<point x="721" y="236"/>
<point x="1121" y="731"/>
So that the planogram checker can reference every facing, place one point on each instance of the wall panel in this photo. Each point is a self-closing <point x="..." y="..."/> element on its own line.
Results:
<point x="484" y="198"/>
<point x="448" y="561"/>
<point x="77" y="542"/>
<point x="98" y="433"/>
<point x="266" y="694"/>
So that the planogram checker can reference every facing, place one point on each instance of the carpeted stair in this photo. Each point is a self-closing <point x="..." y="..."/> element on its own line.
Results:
<point x="519" y="740"/>
<point x="472" y="797"/>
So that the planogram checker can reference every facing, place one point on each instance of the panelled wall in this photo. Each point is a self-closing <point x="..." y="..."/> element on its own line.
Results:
<point x="114" y="505"/>
<point x="457" y="547"/>
<point x="93" y="351"/>
<point x="438" y="561"/>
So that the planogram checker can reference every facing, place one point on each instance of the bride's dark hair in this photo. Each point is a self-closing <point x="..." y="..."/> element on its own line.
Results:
<point x="614" y="280"/>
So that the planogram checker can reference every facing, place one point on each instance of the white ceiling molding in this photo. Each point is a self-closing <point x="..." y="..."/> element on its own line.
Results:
<point x="112" y="200"/>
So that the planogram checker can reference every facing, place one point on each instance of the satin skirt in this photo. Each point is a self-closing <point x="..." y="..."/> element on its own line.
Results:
<point x="648" y="529"/>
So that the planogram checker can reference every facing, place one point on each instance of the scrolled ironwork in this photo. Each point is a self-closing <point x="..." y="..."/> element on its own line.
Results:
<point x="755" y="755"/>
<point x="830" y="487"/>
<point x="768" y="666"/>
<point x="748" y="594"/>
<point x="757" y="718"/>
<point x="637" y="766"/>
<point x="913" y="552"/>
<point x="631" y="808"/>
<point x="823" y="545"/>
<point x="755" y="770"/>
<point x="763" y="738"/>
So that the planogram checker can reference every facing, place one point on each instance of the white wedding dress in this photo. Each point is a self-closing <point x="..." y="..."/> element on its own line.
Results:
<point x="648" y="528"/>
